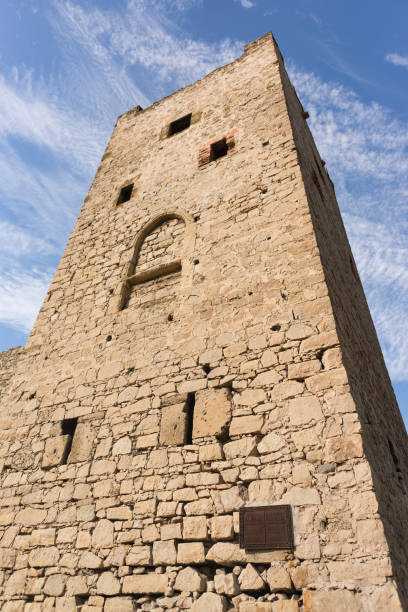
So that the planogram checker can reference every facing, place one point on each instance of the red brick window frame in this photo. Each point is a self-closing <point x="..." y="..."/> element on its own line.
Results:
<point x="206" y="153"/>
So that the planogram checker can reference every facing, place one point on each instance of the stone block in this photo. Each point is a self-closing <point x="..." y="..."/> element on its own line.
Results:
<point x="171" y="531"/>
<point x="82" y="443"/>
<point x="44" y="557"/>
<point x="55" y="451"/>
<point x="245" y="447"/>
<point x="301" y="496"/>
<point x="222" y="528"/>
<point x="261" y="491"/>
<point x="173" y="425"/>
<point x="42" y="537"/>
<point x="250" y="580"/>
<point x="7" y="558"/>
<point x="139" y="555"/>
<point x="191" y="553"/>
<point x="76" y="585"/>
<point x="90" y="561"/>
<point x="226" y="553"/>
<point x="189" y="579"/>
<point x="123" y="446"/>
<point x="164" y="553"/>
<point x="195" y="528"/>
<point x="211" y="452"/>
<point x="143" y="584"/>
<point x="212" y="412"/>
<point x="119" y="604"/>
<point x="226" y="584"/>
<point x="119" y="513"/>
<point x="271" y="443"/>
<point x="107" y="584"/>
<point x="210" y="601"/>
<point x="278" y="579"/>
<point x="246" y="424"/>
<point x="303" y="410"/>
<point x="340" y="600"/>
<point x="102" y="536"/>
<point x="55" y="585"/>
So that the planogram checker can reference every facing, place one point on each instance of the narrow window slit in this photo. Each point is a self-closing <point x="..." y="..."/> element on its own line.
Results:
<point x="68" y="427"/>
<point x="218" y="149"/>
<point x="190" y="417"/>
<point x="179" y="125"/>
<point x="125" y="194"/>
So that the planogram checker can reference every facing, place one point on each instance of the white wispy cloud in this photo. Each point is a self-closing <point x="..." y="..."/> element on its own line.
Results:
<point x="246" y="3"/>
<point x="365" y="148"/>
<point x="397" y="60"/>
<point x="21" y="294"/>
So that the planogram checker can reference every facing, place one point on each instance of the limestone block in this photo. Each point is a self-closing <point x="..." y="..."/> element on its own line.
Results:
<point x="76" y="585"/>
<point x="301" y="474"/>
<point x="150" y="533"/>
<point x="318" y="342"/>
<point x="261" y="491"/>
<point x="145" y="508"/>
<point x="44" y="557"/>
<point x="370" y="536"/>
<point x="146" y="441"/>
<point x="245" y="447"/>
<point x="386" y="598"/>
<point x="191" y="553"/>
<point x="102" y="466"/>
<point x="164" y="553"/>
<point x="271" y="443"/>
<point x="233" y="498"/>
<point x="158" y="459"/>
<point x="55" y="585"/>
<point x="139" y="555"/>
<point x="304" y="368"/>
<point x="173" y="425"/>
<point x="225" y="553"/>
<point x="195" y="528"/>
<point x="166" y="509"/>
<point x="250" y="580"/>
<point x="42" y="537"/>
<point x="82" y="443"/>
<point x="256" y="606"/>
<point x="301" y="496"/>
<point x="119" y="604"/>
<point x="7" y="558"/>
<point x="210" y="601"/>
<point x="107" y="584"/>
<point x="201" y="506"/>
<point x="246" y="424"/>
<point x="34" y="586"/>
<point x="171" y="531"/>
<point x="342" y="448"/>
<point x="339" y="600"/>
<point x="145" y="583"/>
<point x="309" y="549"/>
<point x="211" y="452"/>
<point x="302" y="410"/>
<point x="90" y="561"/>
<point x="123" y="446"/>
<point x="286" y="605"/>
<point x="188" y="579"/>
<point x="212" y="412"/>
<point x="222" y="528"/>
<point x="226" y="584"/>
<point x="102" y="536"/>
<point x="278" y="579"/>
<point x="251" y="397"/>
<point x="55" y="451"/>
<point x="15" y="584"/>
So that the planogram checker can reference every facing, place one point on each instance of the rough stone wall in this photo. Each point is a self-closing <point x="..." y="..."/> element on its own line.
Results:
<point x="133" y="431"/>
<point x="8" y="361"/>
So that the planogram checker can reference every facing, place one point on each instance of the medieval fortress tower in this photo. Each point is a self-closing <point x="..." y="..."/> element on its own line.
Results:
<point x="202" y="418"/>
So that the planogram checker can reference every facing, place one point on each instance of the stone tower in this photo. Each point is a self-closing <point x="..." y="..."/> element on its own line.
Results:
<point x="202" y="418"/>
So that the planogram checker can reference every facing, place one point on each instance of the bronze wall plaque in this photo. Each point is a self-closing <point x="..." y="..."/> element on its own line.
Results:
<point x="266" y="528"/>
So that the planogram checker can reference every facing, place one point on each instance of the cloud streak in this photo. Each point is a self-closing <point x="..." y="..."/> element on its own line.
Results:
<point x="397" y="60"/>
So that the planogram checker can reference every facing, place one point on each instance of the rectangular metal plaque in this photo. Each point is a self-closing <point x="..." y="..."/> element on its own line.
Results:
<point x="266" y="528"/>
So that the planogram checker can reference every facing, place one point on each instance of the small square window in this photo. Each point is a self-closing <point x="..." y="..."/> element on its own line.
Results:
<point x="179" y="125"/>
<point x="125" y="194"/>
<point x="218" y="149"/>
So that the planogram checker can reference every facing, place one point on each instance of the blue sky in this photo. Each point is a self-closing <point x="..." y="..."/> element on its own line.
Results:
<point x="68" y="68"/>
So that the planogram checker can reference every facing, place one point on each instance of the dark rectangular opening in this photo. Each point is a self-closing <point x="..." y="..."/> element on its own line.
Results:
<point x="179" y="125"/>
<point x="125" y="194"/>
<point x="68" y="427"/>
<point x="219" y="149"/>
<point x="190" y="417"/>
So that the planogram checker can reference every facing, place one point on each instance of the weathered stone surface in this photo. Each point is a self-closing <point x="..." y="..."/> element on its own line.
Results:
<point x="82" y="443"/>
<point x="107" y="584"/>
<point x="226" y="584"/>
<point x="278" y="579"/>
<point x="301" y="496"/>
<point x="55" y="451"/>
<point x="195" y="528"/>
<point x="339" y="600"/>
<point x="123" y="446"/>
<point x="44" y="557"/>
<point x="222" y="527"/>
<point x="340" y="449"/>
<point x="302" y="410"/>
<point x="164" y="553"/>
<point x="76" y="585"/>
<point x="102" y="536"/>
<point x="173" y="424"/>
<point x="188" y="579"/>
<point x="271" y="443"/>
<point x="240" y="448"/>
<point x="118" y="604"/>
<point x="191" y="553"/>
<point x="145" y="583"/>
<point x="245" y="425"/>
<point x="139" y="555"/>
<point x="210" y="601"/>
<point x="90" y="561"/>
<point x="55" y="585"/>
<point x="212" y="412"/>
<point x="250" y="580"/>
<point x="225" y="553"/>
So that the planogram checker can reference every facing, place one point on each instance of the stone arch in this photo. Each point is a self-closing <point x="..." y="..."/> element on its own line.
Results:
<point x="161" y="247"/>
